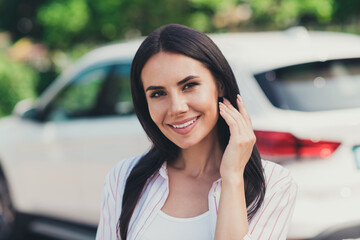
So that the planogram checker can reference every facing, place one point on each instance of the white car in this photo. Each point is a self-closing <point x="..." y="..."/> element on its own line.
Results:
<point x="301" y="88"/>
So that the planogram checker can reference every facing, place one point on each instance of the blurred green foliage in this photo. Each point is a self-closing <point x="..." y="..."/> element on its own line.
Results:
<point x="62" y="20"/>
<point x="282" y="14"/>
<point x="69" y="21"/>
<point x="61" y="24"/>
<point x="17" y="82"/>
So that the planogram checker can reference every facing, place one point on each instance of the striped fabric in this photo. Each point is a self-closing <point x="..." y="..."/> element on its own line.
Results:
<point x="271" y="222"/>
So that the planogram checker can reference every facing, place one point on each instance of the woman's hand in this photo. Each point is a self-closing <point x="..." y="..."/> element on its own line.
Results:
<point x="241" y="143"/>
<point x="232" y="222"/>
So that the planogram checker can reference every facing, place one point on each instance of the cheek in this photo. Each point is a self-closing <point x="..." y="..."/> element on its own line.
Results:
<point x="156" y="112"/>
<point x="207" y="100"/>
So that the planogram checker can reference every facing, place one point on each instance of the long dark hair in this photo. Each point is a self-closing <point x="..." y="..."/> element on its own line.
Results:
<point x="192" y="43"/>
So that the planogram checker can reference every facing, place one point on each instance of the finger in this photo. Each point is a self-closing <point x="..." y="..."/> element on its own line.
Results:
<point x="232" y="108"/>
<point x="230" y="120"/>
<point x="236" y="114"/>
<point x="242" y="109"/>
<point x="237" y="127"/>
<point x="244" y="126"/>
<point x="238" y="130"/>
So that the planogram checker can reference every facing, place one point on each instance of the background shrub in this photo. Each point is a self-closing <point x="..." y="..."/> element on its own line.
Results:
<point x="17" y="82"/>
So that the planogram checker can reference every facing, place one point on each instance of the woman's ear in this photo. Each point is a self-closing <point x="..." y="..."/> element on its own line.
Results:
<point x="221" y="89"/>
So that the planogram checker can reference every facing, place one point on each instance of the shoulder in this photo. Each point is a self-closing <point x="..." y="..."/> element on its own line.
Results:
<point x="126" y="164"/>
<point x="272" y="219"/>
<point x="276" y="176"/>
<point x="122" y="169"/>
<point x="116" y="178"/>
<point x="112" y="197"/>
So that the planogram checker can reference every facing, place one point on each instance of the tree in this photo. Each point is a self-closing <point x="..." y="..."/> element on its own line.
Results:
<point x="17" y="82"/>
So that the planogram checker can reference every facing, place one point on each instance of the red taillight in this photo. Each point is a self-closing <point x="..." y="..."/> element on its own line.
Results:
<point x="285" y="145"/>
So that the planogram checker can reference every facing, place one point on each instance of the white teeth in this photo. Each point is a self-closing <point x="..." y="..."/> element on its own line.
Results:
<point x="185" y="124"/>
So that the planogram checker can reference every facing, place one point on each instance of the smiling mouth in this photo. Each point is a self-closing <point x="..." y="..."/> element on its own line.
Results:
<point x="184" y="125"/>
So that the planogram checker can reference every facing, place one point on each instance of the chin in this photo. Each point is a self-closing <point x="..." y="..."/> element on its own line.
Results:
<point x="186" y="144"/>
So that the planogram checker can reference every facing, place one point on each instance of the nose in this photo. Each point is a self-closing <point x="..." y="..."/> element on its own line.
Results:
<point x="178" y="105"/>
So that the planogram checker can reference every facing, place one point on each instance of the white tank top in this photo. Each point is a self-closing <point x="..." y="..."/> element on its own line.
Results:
<point x="165" y="227"/>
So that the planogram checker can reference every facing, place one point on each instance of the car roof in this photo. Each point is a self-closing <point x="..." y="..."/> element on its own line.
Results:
<point x="260" y="51"/>
<point x="270" y="50"/>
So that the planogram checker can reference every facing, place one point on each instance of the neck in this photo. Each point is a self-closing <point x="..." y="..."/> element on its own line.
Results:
<point x="201" y="159"/>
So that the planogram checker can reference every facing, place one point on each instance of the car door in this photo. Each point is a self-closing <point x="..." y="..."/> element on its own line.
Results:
<point x="90" y="126"/>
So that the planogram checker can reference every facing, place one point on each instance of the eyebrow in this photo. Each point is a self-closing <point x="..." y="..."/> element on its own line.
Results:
<point x="188" y="78"/>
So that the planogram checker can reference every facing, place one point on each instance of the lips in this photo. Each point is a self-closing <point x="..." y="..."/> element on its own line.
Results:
<point x="185" y="126"/>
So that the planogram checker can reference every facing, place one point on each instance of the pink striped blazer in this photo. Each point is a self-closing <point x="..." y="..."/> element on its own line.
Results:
<point x="270" y="222"/>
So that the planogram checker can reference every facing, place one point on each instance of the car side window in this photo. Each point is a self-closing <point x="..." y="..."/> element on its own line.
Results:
<point x="97" y="92"/>
<point x="121" y="75"/>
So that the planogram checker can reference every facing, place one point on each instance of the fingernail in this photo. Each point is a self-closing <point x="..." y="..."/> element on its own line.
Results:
<point x="239" y="97"/>
<point x="221" y="107"/>
<point x="226" y="101"/>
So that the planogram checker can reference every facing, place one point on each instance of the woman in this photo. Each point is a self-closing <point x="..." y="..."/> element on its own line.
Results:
<point x="203" y="178"/>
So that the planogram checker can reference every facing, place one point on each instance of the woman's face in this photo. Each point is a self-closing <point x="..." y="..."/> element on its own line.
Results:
<point x="182" y="96"/>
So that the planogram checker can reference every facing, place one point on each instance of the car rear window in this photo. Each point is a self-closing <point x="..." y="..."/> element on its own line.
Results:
<point x="314" y="86"/>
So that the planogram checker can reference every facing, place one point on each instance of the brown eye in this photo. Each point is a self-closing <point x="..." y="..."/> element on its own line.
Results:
<point x="189" y="85"/>
<point x="157" y="94"/>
